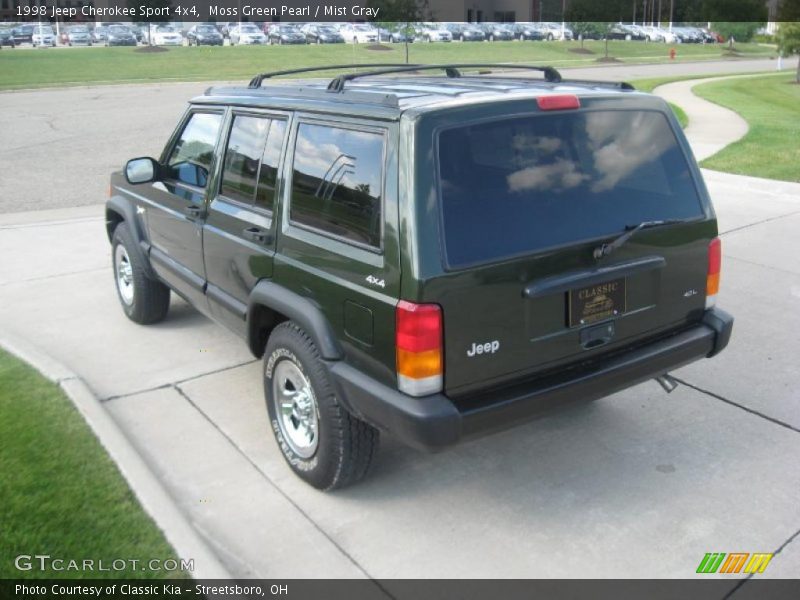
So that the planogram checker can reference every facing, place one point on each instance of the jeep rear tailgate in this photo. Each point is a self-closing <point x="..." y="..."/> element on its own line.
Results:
<point x="525" y="201"/>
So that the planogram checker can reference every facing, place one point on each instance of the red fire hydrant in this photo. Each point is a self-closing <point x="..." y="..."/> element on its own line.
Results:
<point x="672" y="53"/>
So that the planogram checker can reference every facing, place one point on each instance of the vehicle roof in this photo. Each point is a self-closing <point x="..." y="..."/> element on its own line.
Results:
<point x="388" y="97"/>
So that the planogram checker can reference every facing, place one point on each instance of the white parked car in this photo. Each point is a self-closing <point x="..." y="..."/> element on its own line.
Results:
<point x="434" y="32"/>
<point x="657" y="34"/>
<point x="359" y="33"/>
<point x="164" y="35"/>
<point x="43" y="35"/>
<point x="553" y="31"/>
<point x="246" y="34"/>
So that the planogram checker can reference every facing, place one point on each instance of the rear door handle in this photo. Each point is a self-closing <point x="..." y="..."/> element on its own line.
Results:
<point x="193" y="212"/>
<point x="257" y="235"/>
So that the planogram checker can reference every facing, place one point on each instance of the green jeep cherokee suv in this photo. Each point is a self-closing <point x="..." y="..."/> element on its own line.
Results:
<point x="434" y="257"/>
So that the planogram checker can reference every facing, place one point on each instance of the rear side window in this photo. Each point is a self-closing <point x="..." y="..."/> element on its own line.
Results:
<point x="515" y="186"/>
<point x="337" y="182"/>
<point x="250" y="170"/>
<point x="192" y="155"/>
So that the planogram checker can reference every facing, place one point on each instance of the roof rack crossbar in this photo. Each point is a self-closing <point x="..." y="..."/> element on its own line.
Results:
<point x="256" y="81"/>
<point x="337" y="84"/>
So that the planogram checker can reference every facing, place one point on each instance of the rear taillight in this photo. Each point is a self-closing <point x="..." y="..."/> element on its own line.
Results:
<point x="714" y="267"/>
<point x="560" y="102"/>
<point x="419" y="348"/>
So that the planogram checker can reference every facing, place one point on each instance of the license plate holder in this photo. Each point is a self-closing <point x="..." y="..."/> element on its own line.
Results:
<point x="593" y="303"/>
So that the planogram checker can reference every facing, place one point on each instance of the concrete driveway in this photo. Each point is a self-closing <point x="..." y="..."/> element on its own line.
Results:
<point x="639" y="484"/>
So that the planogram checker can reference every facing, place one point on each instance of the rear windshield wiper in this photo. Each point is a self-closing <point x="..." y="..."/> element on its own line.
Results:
<point x="630" y="231"/>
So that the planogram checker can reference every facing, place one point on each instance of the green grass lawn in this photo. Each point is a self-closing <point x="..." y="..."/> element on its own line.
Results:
<point x="60" y="493"/>
<point x="771" y="107"/>
<point x="29" y="67"/>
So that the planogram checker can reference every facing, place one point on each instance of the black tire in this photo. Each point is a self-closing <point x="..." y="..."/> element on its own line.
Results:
<point x="345" y="446"/>
<point x="150" y="300"/>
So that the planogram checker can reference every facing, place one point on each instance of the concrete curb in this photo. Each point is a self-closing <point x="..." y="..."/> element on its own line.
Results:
<point x="145" y="485"/>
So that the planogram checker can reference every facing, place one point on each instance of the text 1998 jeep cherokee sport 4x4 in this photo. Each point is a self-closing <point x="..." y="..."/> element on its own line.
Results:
<point x="433" y="257"/>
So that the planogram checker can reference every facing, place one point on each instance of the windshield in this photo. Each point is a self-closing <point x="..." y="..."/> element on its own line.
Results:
<point x="326" y="30"/>
<point x="166" y="30"/>
<point x="79" y="30"/>
<point x="524" y="183"/>
<point x="206" y="29"/>
<point x="118" y="30"/>
<point x="249" y="29"/>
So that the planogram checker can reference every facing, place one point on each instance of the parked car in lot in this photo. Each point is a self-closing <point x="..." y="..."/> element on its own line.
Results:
<point x="398" y="36"/>
<point x="204" y="34"/>
<point x="465" y="32"/>
<point x="354" y="249"/>
<point x="657" y="34"/>
<point x="138" y="33"/>
<point x="358" y="33"/>
<point x="322" y="34"/>
<point x="167" y="35"/>
<point x="688" y="35"/>
<point x="499" y="32"/>
<point x="43" y="35"/>
<point x="118" y="35"/>
<point x="23" y="34"/>
<point x="7" y="38"/>
<point x="79" y="35"/>
<point x="286" y="34"/>
<point x="99" y="34"/>
<point x="555" y="31"/>
<point x="618" y="31"/>
<point x="528" y="31"/>
<point x="434" y="32"/>
<point x="246" y="34"/>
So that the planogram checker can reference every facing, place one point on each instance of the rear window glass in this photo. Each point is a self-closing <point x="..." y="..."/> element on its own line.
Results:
<point x="515" y="186"/>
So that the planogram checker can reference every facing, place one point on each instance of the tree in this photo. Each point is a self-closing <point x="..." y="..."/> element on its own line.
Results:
<point x="157" y="7"/>
<point x="601" y="16"/>
<point x="789" y="42"/>
<point x="588" y="30"/>
<point x="741" y="31"/>
<point x="400" y="15"/>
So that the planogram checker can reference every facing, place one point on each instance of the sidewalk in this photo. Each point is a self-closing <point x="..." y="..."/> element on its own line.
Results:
<point x="711" y="127"/>
<point x="639" y="483"/>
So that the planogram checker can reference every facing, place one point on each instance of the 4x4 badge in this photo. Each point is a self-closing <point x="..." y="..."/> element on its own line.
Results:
<point x="375" y="281"/>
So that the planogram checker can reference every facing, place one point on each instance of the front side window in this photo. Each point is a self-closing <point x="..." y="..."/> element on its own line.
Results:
<point x="337" y="182"/>
<point x="250" y="171"/>
<point x="191" y="157"/>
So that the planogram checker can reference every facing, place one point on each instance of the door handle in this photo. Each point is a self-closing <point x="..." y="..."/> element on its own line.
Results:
<point x="193" y="212"/>
<point x="257" y="235"/>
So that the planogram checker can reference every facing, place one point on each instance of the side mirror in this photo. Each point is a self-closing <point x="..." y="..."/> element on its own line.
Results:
<point x="141" y="170"/>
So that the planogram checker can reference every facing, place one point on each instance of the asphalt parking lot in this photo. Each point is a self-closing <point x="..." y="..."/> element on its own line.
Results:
<point x="640" y="483"/>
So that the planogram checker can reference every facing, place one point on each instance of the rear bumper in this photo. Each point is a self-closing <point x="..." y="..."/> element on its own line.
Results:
<point x="435" y="421"/>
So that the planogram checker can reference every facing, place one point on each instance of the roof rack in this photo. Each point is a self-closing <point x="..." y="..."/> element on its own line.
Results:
<point x="256" y="81"/>
<point x="337" y="84"/>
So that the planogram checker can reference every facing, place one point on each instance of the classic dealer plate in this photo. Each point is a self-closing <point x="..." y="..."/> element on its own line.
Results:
<point x="596" y="302"/>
